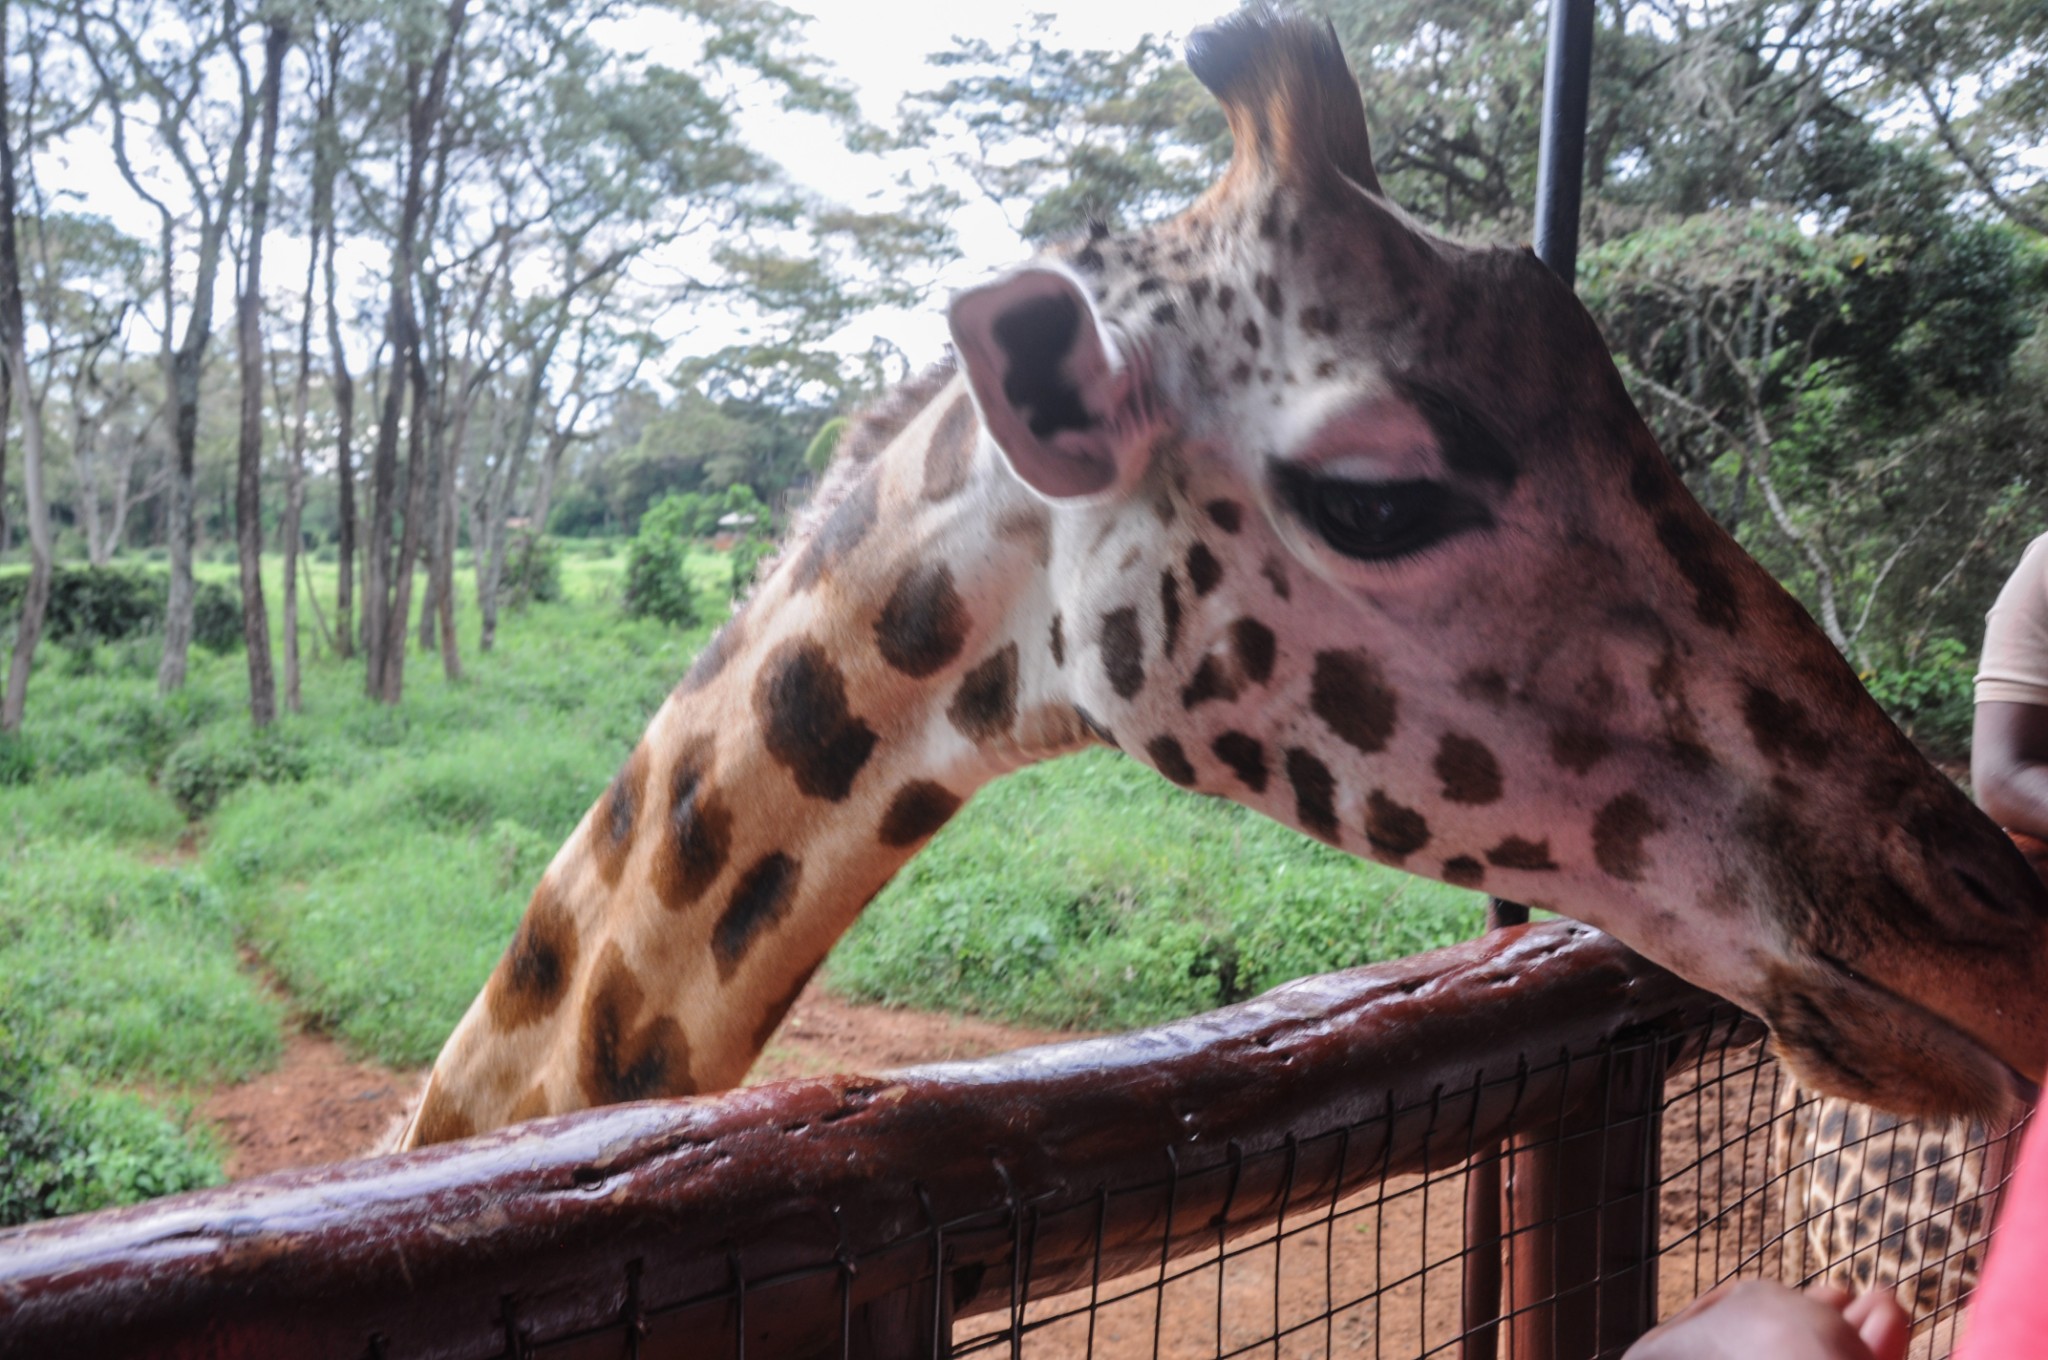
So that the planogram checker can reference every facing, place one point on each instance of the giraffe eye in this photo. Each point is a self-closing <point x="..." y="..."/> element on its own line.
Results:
<point x="1377" y="521"/>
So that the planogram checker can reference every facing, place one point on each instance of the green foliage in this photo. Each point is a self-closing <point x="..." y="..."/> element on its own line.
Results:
<point x="819" y="454"/>
<point x="209" y="766"/>
<point x="578" y="512"/>
<point x="1090" y="892"/>
<point x="1932" y="696"/>
<point x="216" y="617"/>
<point x="657" y="584"/>
<point x="67" y="1151"/>
<point x="125" y="969"/>
<point x="533" y="571"/>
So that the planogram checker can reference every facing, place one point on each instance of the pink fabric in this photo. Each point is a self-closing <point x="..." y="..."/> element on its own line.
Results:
<point x="2009" y="1312"/>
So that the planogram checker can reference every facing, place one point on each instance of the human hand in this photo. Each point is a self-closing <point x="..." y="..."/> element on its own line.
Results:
<point x="1747" y="1319"/>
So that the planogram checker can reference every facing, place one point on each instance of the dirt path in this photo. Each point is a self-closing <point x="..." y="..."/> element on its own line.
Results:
<point x="319" y="1105"/>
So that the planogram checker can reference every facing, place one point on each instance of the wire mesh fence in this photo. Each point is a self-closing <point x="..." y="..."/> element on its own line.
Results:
<point x="1534" y="1145"/>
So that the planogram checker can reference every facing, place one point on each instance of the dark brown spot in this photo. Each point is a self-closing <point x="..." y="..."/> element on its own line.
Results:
<point x="950" y="455"/>
<point x="1619" y="829"/>
<point x="1251" y="332"/>
<point x="699" y="830"/>
<point x="1198" y="293"/>
<point x="1168" y="758"/>
<point x="1123" y="652"/>
<point x="1245" y="756"/>
<point x="1578" y="749"/>
<point x="1349" y="693"/>
<point x="1204" y="571"/>
<point x="1228" y="515"/>
<point x="924" y="623"/>
<point x="1396" y="832"/>
<point x="623" y="1057"/>
<point x="840" y="534"/>
<point x="918" y="810"/>
<point x="1464" y="871"/>
<point x="1166" y="314"/>
<point x="1319" y="320"/>
<point x="1714" y="597"/>
<point x="1226" y="297"/>
<point x="1517" y="853"/>
<point x="1209" y="682"/>
<point x="1032" y="528"/>
<point x="1276" y="577"/>
<point x="1315" y="794"/>
<point x="1486" y="685"/>
<point x="530" y="981"/>
<point x="1468" y="770"/>
<point x="1268" y="289"/>
<point x="611" y="830"/>
<point x="1169" y="610"/>
<point x="1057" y="641"/>
<point x="1240" y="373"/>
<point x="760" y="899"/>
<point x="985" y="705"/>
<point x="1782" y="728"/>
<point x="1255" y="647"/>
<point x="800" y="702"/>
<point x="773" y="1018"/>
<point x="724" y="643"/>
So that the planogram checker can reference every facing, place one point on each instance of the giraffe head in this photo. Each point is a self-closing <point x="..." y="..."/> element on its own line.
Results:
<point x="1358" y="526"/>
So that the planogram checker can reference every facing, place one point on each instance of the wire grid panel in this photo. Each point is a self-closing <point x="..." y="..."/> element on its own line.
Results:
<point x="1742" y="1191"/>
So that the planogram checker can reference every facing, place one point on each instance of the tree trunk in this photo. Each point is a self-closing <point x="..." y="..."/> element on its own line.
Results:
<point x="344" y="387"/>
<point x="36" y="600"/>
<point x="513" y="463"/>
<point x="182" y="398"/>
<point x="249" y="453"/>
<point x="387" y="599"/>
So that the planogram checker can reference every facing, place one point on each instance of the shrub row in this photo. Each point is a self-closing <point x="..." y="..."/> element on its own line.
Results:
<point x="90" y="605"/>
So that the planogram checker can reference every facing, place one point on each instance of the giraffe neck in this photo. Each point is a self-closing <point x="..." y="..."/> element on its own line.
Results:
<point x="898" y="658"/>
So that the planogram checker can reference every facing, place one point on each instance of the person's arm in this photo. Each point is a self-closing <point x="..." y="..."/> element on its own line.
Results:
<point x="2009" y="764"/>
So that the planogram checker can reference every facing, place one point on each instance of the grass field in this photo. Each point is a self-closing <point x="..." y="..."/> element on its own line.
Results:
<point x="376" y="861"/>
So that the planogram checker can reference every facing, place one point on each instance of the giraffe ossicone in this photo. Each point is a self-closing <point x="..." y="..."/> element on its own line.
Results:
<point x="1310" y="509"/>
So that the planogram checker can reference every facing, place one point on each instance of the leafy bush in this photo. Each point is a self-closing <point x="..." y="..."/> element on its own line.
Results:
<point x="579" y="513"/>
<point x="92" y="604"/>
<point x="1932" y="697"/>
<point x="533" y="571"/>
<point x="747" y="557"/>
<point x="657" y="583"/>
<point x="68" y="1151"/>
<point x="216" y="617"/>
<point x="206" y="768"/>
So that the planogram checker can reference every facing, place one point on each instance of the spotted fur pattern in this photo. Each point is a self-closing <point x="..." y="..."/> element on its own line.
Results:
<point x="1884" y="1202"/>
<point x="1126" y="519"/>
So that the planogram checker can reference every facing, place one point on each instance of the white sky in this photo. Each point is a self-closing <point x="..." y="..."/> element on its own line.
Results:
<point x="880" y="49"/>
<point x="877" y="48"/>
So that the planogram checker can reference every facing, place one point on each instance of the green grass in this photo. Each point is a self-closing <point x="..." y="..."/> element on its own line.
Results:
<point x="1090" y="892"/>
<point x="377" y="860"/>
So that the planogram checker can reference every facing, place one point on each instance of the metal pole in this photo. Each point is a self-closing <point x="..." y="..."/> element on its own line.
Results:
<point x="1561" y="161"/>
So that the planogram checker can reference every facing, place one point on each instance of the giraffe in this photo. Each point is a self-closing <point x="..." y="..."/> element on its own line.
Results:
<point x="1311" y="509"/>
<point x="1905" y="1205"/>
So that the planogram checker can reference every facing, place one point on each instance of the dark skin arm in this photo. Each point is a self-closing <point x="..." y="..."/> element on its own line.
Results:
<point x="2009" y="765"/>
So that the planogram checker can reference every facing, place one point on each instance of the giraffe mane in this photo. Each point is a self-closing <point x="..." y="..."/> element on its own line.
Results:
<point x="868" y="432"/>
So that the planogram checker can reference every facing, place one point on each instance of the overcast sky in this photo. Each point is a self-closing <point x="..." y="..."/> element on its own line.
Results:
<point x="880" y="50"/>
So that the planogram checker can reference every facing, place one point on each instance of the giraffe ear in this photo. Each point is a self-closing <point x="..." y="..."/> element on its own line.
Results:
<point x="1045" y="375"/>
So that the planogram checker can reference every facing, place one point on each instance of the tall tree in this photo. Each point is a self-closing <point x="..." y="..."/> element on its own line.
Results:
<point x="167" y="59"/>
<point x="249" y="337"/>
<point x="14" y="353"/>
